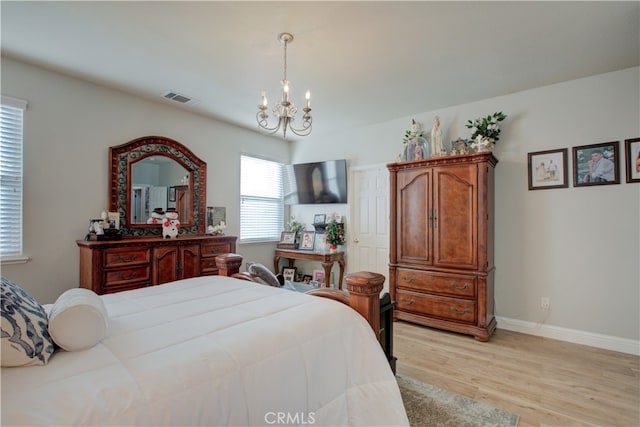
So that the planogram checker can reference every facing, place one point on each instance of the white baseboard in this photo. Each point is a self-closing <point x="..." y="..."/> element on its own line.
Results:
<point x="607" y="342"/>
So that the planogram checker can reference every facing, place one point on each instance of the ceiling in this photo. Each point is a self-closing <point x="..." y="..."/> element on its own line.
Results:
<point x="364" y="62"/>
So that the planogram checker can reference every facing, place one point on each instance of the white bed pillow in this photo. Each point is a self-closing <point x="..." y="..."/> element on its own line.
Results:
<point x="78" y="320"/>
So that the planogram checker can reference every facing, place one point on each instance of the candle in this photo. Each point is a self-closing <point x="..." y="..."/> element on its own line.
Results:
<point x="264" y="99"/>
<point x="307" y="99"/>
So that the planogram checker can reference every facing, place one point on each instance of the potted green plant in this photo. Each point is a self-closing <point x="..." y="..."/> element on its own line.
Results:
<point x="334" y="235"/>
<point x="485" y="131"/>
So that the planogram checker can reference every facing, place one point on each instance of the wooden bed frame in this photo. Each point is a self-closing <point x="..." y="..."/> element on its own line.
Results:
<point x="363" y="289"/>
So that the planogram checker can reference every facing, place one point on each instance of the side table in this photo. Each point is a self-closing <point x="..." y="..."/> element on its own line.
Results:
<point x="327" y="260"/>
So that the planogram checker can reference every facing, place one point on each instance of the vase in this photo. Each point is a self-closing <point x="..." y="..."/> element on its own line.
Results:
<point x="484" y="145"/>
<point x="333" y="249"/>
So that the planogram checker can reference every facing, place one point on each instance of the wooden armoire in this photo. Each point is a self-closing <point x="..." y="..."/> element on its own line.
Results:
<point x="441" y="270"/>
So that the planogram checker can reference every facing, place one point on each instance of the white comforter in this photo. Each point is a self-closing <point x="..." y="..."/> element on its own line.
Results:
<point x="213" y="351"/>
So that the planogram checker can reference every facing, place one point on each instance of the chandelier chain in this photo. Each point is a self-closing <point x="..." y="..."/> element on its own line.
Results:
<point x="285" y="59"/>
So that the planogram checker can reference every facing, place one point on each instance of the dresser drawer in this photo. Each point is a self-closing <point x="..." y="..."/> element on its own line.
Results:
<point x="456" y="285"/>
<point x="213" y="249"/>
<point x="459" y="310"/>
<point x="208" y="266"/>
<point x="114" y="278"/>
<point x="121" y="257"/>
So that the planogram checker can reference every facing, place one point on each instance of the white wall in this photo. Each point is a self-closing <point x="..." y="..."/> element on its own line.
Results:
<point x="578" y="246"/>
<point x="69" y="126"/>
<point x="548" y="242"/>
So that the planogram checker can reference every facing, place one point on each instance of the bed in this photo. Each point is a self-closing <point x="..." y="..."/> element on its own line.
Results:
<point x="209" y="351"/>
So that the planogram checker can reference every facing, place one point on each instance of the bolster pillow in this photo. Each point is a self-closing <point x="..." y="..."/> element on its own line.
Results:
<point x="78" y="320"/>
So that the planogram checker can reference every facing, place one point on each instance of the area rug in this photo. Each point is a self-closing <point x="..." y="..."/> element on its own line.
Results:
<point x="427" y="405"/>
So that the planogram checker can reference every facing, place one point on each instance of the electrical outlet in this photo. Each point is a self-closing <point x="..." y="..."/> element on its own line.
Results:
<point x="544" y="303"/>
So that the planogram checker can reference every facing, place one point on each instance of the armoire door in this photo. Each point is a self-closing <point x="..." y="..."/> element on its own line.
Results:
<point x="455" y="221"/>
<point x="414" y="216"/>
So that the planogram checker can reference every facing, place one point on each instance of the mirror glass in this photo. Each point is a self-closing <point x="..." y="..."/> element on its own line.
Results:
<point x="157" y="172"/>
<point x="158" y="182"/>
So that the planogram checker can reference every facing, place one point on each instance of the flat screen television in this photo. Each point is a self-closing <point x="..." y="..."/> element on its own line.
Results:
<point x="316" y="182"/>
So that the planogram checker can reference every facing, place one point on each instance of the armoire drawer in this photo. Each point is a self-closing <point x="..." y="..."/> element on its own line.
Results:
<point x="456" y="285"/>
<point x="120" y="257"/>
<point x="459" y="310"/>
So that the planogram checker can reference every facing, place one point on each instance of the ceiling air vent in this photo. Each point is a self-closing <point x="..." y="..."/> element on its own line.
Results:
<point x="182" y="99"/>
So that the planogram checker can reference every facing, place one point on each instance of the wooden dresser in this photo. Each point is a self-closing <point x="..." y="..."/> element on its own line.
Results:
<point x="135" y="262"/>
<point x="441" y="270"/>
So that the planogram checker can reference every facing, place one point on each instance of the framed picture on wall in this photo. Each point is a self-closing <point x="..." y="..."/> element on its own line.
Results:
<point x="596" y="164"/>
<point x="548" y="169"/>
<point x="632" y="148"/>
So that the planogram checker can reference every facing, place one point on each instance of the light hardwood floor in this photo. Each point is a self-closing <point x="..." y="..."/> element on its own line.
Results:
<point x="546" y="382"/>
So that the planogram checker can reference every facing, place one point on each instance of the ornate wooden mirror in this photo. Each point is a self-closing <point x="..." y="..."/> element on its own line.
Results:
<point x="157" y="172"/>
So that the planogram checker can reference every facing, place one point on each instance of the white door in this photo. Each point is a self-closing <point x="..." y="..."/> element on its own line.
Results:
<point x="368" y="244"/>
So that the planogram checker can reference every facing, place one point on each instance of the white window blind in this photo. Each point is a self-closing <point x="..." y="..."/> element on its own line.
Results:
<point x="261" y="200"/>
<point x="11" y="124"/>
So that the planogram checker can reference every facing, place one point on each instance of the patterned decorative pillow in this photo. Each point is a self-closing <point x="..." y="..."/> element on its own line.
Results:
<point x="25" y="340"/>
<point x="264" y="274"/>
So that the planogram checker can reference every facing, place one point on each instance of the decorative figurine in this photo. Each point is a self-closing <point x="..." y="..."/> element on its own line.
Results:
<point x="437" y="150"/>
<point x="171" y="224"/>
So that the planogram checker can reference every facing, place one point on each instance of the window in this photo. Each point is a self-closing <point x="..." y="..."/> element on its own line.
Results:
<point x="11" y="121"/>
<point x="261" y="200"/>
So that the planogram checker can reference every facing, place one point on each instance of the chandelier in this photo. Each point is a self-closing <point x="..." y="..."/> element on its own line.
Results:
<point x="284" y="109"/>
